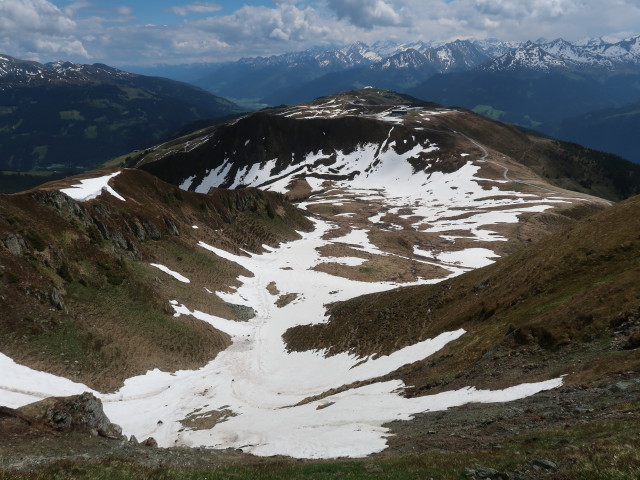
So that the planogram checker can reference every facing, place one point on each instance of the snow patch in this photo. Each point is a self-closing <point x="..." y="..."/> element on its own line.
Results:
<point x="90" y="188"/>
<point x="175" y="275"/>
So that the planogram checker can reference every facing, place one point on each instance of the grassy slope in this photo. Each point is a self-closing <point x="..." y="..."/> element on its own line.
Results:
<point x="566" y="165"/>
<point x="611" y="130"/>
<point x="116" y="320"/>
<point x="84" y="124"/>
<point x="600" y="451"/>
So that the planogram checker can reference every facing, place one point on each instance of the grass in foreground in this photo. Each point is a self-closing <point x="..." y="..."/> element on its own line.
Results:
<point x="597" y="451"/>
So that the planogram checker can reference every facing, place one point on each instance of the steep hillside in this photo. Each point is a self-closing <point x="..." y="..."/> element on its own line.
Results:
<point x="78" y="291"/>
<point x="312" y="141"/>
<point x="530" y="97"/>
<point x="72" y="116"/>
<point x="566" y="165"/>
<point x="611" y="130"/>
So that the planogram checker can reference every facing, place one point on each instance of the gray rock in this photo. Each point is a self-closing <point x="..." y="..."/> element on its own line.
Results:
<point x="133" y="439"/>
<point x="581" y="410"/>
<point x="546" y="465"/>
<point x="15" y="244"/>
<point x="56" y="299"/>
<point x="137" y="230"/>
<point x="152" y="231"/>
<point x="486" y="472"/>
<point x="63" y="204"/>
<point x="132" y="247"/>
<point x="102" y="228"/>
<point x="81" y="412"/>
<point x="243" y="312"/>
<point x="173" y="230"/>
<point x="150" y="442"/>
<point x="620" y="387"/>
<point x="119" y="240"/>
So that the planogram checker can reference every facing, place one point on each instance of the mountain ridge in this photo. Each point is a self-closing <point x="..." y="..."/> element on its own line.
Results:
<point x="364" y="112"/>
<point x="67" y="115"/>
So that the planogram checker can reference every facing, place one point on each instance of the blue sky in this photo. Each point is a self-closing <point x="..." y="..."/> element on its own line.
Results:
<point x="147" y="32"/>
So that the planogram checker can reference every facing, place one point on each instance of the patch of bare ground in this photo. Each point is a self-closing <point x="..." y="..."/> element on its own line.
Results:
<point x="273" y="289"/>
<point x="286" y="299"/>
<point x="206" y="420"/>
<point x="384" y="268"/>
<point x="399" y="242"/>
<point x="283" y="299"/>
<point x="298" y="189"/>
<point x="340" y="231"/>
<point x="342" y="250"/>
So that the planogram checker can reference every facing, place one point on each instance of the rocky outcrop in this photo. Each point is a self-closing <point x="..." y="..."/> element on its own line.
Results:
<point x="76" y="413"/>
<point x="63" y="203"/>
<point x="15" y="244"/>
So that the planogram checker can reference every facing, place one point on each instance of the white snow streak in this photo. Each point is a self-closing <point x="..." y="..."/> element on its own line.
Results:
<point x="90" y="188"/>
<point x="175" y="275"/>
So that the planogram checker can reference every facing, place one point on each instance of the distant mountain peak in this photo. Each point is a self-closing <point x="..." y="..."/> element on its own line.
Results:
<point x="530" y="56"/>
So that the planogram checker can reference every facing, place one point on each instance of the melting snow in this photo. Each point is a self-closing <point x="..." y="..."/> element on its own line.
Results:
<point x="469" y="257"/>
<point x="264" y="384"/>
<point x="175" y="275"/>
<point x="90" y="188"/>
<point x="256" y="377"/>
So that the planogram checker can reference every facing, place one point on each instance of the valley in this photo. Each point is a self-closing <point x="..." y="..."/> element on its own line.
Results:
<point x="418" y="203"/>
<point x="426" y="281"/>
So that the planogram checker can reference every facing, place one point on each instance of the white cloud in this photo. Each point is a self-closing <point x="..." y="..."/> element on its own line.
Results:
<point x="197" y="7"/>
<point x="125" y="11"/>
<point x="538" y="9"/>
<point x="366" y="13"/>
<point x="34" y="28"/>
<point x="38" y="16"/>
<point x="37" y="28"/>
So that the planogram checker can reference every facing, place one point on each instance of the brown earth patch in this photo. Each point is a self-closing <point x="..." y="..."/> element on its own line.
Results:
<point x="388" y="268"/>
<point x="206" y="420"/>
<point x="286" y="299"/>
<point x="273" y="289"/>
<point x="299" y="189"/>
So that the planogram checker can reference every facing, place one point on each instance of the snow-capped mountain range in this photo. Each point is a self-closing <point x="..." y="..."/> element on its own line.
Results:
<point x="14" y="71"/>
<point x="560" y="53"/>
<point x="465" y="54"/>
<point x="301" y="76"/>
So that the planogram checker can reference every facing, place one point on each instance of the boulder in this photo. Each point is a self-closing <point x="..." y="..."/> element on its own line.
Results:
<point x="76" y="413"/>
<point x="15" y="244"/>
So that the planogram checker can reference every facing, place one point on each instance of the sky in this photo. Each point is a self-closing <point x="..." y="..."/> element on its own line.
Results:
<point x="149" y="32"/>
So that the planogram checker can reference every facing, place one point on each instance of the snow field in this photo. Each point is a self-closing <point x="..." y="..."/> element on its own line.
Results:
<point x="256" y="378"/>
<point x="263" y="384"/>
